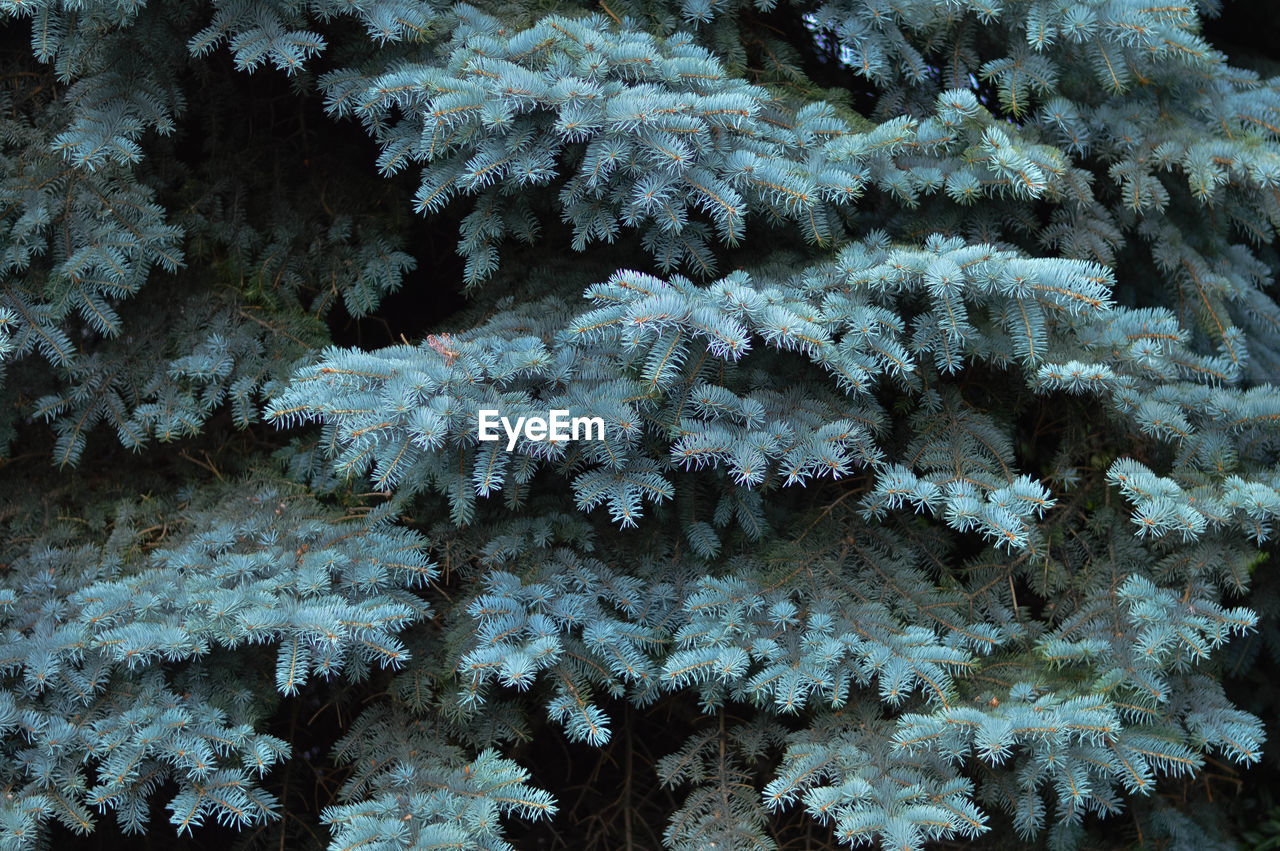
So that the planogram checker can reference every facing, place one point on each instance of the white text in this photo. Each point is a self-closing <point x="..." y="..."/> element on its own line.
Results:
<point x="558" y="425"/>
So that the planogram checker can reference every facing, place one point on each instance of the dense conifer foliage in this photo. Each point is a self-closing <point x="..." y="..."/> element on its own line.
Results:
<point x="920" y="357"/>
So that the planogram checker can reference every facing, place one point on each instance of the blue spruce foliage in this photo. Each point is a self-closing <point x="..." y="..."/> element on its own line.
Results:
<point x="925" y="353"/>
